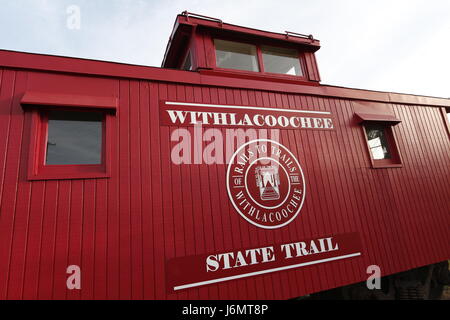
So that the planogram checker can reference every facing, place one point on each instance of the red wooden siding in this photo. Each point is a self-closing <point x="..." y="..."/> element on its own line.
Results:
<point x="311" y="65"/>
<point x="122" y="230"/>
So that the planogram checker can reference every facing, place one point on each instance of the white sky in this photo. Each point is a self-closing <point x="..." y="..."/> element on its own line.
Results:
<point x="395" y="45"/>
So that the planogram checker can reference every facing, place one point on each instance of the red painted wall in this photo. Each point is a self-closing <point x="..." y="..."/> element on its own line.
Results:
<point x="122" y="230"/>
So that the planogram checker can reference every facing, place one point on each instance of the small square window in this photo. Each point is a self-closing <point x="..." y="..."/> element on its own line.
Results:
<point x="69" y="144"/>
<point x="236" y="55"/>
<point x="281" y="60"/>
<point x="74" y="138"/>
<point x="381" y="144"/>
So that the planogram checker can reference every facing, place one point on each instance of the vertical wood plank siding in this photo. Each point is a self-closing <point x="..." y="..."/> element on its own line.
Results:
<point x="122" y="230"/>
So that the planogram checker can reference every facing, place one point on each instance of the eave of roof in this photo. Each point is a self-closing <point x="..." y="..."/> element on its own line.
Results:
<point x="219" y="25"/>
<point x="58" y="64"/>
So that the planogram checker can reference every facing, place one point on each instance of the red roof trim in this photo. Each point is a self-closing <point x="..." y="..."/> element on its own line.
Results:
<point x="288" y="37"/>
<point x="40" y="62"/>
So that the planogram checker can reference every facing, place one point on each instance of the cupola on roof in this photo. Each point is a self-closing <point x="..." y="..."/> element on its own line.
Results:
<point x="205" y="44"/>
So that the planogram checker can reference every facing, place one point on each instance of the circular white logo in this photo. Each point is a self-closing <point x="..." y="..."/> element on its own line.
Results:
<point x="265" y="183"/>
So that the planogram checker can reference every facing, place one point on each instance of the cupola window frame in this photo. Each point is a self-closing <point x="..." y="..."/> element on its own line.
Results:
<point x="259" y="68"/>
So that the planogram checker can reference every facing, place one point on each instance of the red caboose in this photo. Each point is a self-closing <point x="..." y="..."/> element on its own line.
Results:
<point x="229" y="173"/>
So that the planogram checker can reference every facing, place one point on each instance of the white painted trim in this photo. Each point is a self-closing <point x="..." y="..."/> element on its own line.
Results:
<point x="245" y="275"/>
<point x="243" y="107"/>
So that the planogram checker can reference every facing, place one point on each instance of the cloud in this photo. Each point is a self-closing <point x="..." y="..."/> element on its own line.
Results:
<point x="380" y="45"/>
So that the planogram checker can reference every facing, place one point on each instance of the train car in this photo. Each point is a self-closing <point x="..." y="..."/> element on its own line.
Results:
<point x="230" y="172"/>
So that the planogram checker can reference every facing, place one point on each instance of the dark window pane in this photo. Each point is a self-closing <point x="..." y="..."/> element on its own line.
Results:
<point x="281" y="60"/>
<point x="236" y="55"/>
<point x="378" y="144"/>
<point x="74" y="137"/>
<point x="187" y="63"/>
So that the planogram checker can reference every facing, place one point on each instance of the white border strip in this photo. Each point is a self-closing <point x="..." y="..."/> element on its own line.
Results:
<point x="242" y="107"/>
<point x="245" y="275"/>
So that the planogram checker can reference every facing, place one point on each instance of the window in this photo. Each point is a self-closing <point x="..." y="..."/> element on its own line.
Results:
<point x="187" y="65"/>
<point x="70" y="135"/>
<point x="281" y="60"/>
<point x="236" y="55"/>
<point x="446" y="115"/>
<point x="258" y="58"/>
<point x="382" y="146"/>
<point x="69" y="144"/>
<point x="74" y="138"/>
<point x="377" y="140"/>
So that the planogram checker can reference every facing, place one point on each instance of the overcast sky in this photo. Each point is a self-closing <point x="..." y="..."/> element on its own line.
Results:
<point x="394" y="45"/>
